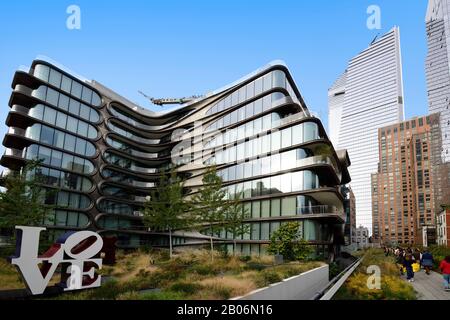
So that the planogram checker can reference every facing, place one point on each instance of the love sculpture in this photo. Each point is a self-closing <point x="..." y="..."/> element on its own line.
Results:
<point x="78" y="253"/>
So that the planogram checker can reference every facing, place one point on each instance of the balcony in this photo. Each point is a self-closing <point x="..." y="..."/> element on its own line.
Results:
<point x="16" y="131"/>
<point x="323" y="209"/>
<point x="11" y="152"/>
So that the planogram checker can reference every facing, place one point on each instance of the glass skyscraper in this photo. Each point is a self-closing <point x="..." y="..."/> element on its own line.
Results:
<point x="438" y="67"/>
<point x="105" y="154"/>
<point x="367" y="97"/>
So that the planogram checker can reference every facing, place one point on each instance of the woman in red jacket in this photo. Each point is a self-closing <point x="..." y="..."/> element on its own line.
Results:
<point x="445" y="268"/>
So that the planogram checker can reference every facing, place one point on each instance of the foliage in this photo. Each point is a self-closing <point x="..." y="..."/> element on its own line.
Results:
<point x="210" y="204"/>
<point x="392" y="286"/>
<point x="439" y="253"/>
<point x="268" y="277"/>
<point x="186" y="287"/>
<point x="210" y="201"/>
<point x="22" y="203"/>
<point x="179" y="278"/>
<point x="287" y="242"/>
<point x="167" y="210"/>
<point x="235" y="216"/>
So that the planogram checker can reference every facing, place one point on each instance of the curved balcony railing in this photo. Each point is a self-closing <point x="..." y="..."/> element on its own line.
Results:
<point x="323" y="209"/>
<point x="318" y="160"/>
<point x="20" y="109"/>
<point x="16" y="131"/>
<point x="130" y="136"/>
<point x="135" y="123"/>
<point x="11" y="152"/>
<point x="144" y="154"/>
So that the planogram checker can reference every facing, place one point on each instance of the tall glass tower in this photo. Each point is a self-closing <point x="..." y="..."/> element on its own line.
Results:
<point x="373" y="98"/>
<point x="438" y="67"/>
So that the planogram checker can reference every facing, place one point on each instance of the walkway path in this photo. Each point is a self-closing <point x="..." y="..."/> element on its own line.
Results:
<point x="430" y="287"/>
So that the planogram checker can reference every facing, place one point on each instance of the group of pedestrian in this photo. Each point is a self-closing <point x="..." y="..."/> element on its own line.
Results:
<point x="413" y="261"/>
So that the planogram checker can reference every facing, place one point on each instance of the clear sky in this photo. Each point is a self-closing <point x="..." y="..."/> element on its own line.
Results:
<point x="176" y="48"/>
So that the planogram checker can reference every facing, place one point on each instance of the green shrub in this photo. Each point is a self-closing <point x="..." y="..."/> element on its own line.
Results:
<point x="288" y="242"/>
<point x="267" y="277"/>
<point x="163" y="295"/>
<point x="245" y="258"/>
<point x="203" y="270"/>
<point x="186" y="287"/>
<point x="255" y="266"/>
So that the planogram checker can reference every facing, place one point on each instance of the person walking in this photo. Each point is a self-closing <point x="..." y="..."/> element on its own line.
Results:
<point x="427" y="261"/>
<point x="400" y="261"/>
<point x="417" y="255"/>
<point x="445" y="268"/>
<point x="408" y="264"/>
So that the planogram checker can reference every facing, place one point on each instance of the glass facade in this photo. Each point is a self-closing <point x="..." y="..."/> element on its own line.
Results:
<point x="56" y="138"/>
<point x="66" y="84"/>
<point x="268" y="149"/>
<point x="278" y="184"/>
<point x="134" y="137"/>
<point x="248" y="111"/>
<point x="63" y="121"/>
<point x="275" y="79"/>
<point x="60" y="179"/>
<point x="59" y="159"/>
<point x="65" y="103"/>
<point x="65" y="218"/>
<point x="266" y="144"/>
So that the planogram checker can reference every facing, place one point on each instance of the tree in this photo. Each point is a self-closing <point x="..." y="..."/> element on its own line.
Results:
<point x="166" y="210"/>
<point x="23" y="200"/>
<point x="211" y="205"/>
<point x="234" y="220"/>
<point x="287" y="242"/>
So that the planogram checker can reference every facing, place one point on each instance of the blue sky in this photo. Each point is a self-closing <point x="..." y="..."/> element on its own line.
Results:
<point x="176" y="48"/>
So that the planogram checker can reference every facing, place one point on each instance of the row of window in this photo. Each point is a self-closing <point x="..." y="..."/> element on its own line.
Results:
<point x="247" y="111"/>
<point x="264" y="166"/>
<point x="67" y="200"/>
<point x="309" y="230"/>
<point x="112" y="207"/>
<point x="127" y="163"/>
<point x="272" y="142"/>
<point x="66" y="84"/>
<point x="284" y="207"/>
<point x="59" y="159"/>
<point x="64" y="218"/>
<point x="133" y="121"/>
<point x="117" y="223"/>
<point x="61" y="179"/>
<point x="286" y="183"/>
<point x="59" y="139"/>
<point x="63" y="121"/>
<point x="117" y="192"/>
<point x="67" y="104"/>
<point x="131" y="136"/>
<point x="274" y="79"/>
<point x="257" y="126"/>
<point x="126" y="179"/>
<point x="126" y="148"/>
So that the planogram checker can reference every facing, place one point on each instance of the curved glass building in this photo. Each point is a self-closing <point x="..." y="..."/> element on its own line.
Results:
<point x="105" y="154"/>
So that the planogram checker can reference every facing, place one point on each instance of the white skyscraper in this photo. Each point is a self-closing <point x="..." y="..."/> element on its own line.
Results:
<point x="367" y="97"/>
<point x="438" y="67"/>
<point x="336" y="95"/>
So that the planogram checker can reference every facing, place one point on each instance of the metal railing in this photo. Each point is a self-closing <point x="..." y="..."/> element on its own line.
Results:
<point x="11" y="152"/>
<point x="323" y="209"/>
<point x="336" y="283"/>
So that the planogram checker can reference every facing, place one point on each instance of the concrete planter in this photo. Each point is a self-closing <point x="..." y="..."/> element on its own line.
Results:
<point x="301" y="287"/>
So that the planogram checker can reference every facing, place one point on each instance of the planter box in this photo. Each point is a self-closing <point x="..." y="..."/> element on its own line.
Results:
<point x="301" y="287"/>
